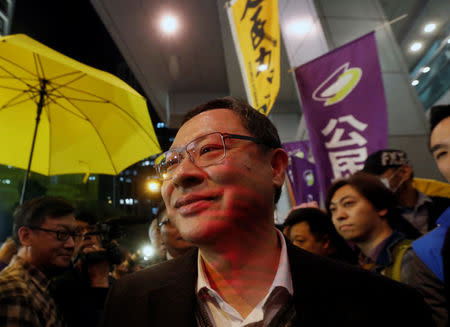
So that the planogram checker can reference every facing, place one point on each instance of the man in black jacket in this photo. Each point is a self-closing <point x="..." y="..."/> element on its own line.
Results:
<point x="221" y="180"/>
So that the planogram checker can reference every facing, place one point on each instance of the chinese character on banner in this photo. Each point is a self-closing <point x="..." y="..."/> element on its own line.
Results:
<point x="349" y="161"/>
<point x="344" y="107"/>
<point x="256" y="34"/>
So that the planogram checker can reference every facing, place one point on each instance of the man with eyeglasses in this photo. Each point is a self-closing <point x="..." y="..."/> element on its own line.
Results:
<point x="221" y="179"/>
<point x="46" y="231"/>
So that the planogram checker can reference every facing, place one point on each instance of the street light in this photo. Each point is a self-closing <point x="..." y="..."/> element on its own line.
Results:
<point x="169" y="24"/>
<point x="429" y="28"/>
<point x="148" y="251"/>
<point x="416" y="46"/>
<point x="154" y="186"/>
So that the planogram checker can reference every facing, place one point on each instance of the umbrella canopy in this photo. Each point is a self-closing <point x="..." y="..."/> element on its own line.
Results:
<point x="89" y="121"/>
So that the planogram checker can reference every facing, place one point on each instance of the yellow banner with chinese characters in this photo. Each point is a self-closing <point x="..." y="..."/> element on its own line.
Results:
<point x="256" y="33"/>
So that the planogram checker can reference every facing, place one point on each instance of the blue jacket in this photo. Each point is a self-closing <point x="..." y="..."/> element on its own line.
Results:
<point x="429" y="247"/>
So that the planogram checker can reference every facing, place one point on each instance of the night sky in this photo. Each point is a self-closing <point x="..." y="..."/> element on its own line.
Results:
<point x="71" y="27"/>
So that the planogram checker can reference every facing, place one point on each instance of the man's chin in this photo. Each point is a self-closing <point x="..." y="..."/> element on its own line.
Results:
<point x="202" y="229"/>
<point x="59" y="268"/>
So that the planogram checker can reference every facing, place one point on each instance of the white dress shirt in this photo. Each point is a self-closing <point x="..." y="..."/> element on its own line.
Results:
<point x="224" y="315"/>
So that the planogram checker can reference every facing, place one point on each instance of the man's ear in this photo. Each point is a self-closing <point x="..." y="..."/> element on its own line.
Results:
<point x="25" y="235"/>
<point x="279" y="163"/>
<point x="326" y="241"/>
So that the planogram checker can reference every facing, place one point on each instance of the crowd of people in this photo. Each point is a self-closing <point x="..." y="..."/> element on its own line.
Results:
<point x="376" y="254"/>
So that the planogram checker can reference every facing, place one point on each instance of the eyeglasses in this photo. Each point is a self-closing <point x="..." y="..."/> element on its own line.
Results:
<point x="164" y="222"/>
<point x="204" y="151"/>
<point x="61" y="235"/>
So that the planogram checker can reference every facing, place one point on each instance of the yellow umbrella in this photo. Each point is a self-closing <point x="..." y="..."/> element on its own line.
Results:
<point x="74" y="118"/>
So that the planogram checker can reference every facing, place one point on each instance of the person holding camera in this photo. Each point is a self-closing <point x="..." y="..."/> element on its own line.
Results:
<point x="89" y="280"/>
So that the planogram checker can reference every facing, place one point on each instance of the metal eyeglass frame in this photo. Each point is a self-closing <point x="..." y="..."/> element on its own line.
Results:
<point x="223" y="137"/>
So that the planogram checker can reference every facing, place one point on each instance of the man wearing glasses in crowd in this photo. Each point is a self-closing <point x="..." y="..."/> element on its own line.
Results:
<point x="221" y="180"/>
<point x="45" y="229"/>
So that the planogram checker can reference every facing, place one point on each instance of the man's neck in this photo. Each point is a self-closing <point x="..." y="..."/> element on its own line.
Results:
<point x="175" y="253"/>
<point x="25" y="254"/>
<point x="372" y="242"/>
<point x="244" y="269"/>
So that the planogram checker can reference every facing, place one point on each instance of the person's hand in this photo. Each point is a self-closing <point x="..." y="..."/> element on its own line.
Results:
<point x="8" y="250"/>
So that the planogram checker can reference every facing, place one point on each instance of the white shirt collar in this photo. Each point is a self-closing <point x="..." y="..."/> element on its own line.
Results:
<point x="282" y="279"/>
<point x="168" y="255"/>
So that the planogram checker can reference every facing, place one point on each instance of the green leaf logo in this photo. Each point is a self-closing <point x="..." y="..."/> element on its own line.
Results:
<point x="300" y="155"/>
<point x="308" y="176"/>
<point x="338" y="85"/>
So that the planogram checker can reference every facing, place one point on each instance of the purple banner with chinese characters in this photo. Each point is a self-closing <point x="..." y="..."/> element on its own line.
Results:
<point x="301" y="173"/>
<point x="344" y="107"/>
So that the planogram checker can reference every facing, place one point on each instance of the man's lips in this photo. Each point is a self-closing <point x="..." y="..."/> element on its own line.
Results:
<point x="194" y="203"/>
<point x="345" y="226"/>
<point x="192" y="198"/>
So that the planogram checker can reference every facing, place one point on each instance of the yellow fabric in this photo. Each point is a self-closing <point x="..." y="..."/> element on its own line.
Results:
<point x="92" y="121"/>
<point x="394" y="271"/>
<point x="256" y="32"/>
<point x="432" y="187"/>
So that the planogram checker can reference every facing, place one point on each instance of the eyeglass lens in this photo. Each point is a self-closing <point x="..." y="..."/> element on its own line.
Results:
<point x="204" y="151"/>
<point x="64" y="235"/>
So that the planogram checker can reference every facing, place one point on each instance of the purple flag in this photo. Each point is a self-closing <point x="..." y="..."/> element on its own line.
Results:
<point x="302" y="173"/>
<point x="345" y="108"/>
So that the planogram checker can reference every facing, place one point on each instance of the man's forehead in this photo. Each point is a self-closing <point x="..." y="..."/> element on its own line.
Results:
<point x="67" y="220"/>
<point x="441" y="133"/>
<point x="214" y="120"/>
<point x="344" y="191"/>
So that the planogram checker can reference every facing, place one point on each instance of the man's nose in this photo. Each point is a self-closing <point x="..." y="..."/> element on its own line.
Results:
<point x="340" y="214"/>
<point x="188" y="174"/>
<point x="70" y="242"/>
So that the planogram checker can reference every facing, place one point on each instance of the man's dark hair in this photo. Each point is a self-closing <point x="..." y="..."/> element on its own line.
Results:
<point x="321" y="226"/>
<point x="257" y="124"/>
<point x="370" y="187"/>
<point x="34" y="212"/>
<point x="86" y="216"/>
<point x="319" y="222"/>
<point x="438" y="114"/>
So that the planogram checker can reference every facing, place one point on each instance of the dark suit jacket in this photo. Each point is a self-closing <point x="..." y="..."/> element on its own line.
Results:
<point x="326" y="293"/>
